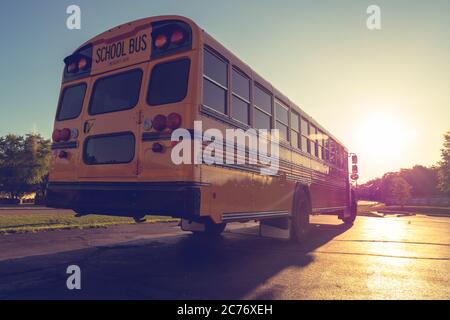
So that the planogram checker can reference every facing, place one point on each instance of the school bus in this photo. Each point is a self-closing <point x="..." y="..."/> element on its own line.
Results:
<point x="125" y="91"/>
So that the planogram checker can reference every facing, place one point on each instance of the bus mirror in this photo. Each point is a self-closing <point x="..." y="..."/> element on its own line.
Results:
<point x="355" y="169"/>
<point x="354" y="159"/>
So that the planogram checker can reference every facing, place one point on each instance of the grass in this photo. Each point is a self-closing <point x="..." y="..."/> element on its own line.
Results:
<point x="380" y="207"/>
<point x="10" y="223"/>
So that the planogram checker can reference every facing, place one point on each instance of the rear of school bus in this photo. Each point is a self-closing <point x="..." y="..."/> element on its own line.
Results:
<point x="122" y="95"/>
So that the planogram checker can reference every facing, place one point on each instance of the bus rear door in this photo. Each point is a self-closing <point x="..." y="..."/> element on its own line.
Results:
<point x="110" y="129"/>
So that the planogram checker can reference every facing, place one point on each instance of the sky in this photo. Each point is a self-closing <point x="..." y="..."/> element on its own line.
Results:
<point x="383" y="93"/>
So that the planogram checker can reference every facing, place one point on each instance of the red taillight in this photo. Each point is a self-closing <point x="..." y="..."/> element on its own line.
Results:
<point x="56" y="136"/>
<point x="157" y="147"/>
<point x="161" y="41"/>
<point x="65" y="134"/>
<point x="72" y="68"/>
<point x="63" y="155"/>
<point x="174" y="121"/>
<point x="177" y="37"/>
<point x="82" y="64"/>
<point x="160" y="122"/>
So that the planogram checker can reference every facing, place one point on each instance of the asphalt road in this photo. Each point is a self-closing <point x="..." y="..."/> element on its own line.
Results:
<point x="396" y="257"/>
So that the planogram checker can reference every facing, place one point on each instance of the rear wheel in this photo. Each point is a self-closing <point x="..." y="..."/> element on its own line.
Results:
<point x="353" y="210"/>
<point x="300" y="215"/>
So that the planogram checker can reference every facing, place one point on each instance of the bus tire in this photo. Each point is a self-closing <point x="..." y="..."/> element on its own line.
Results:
<point x="353" y="210"/>
<point x="212" y="229"/>
<point x="301" y="210"/>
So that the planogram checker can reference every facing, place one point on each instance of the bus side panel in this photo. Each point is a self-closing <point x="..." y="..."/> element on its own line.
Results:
<point x="328" y="188"/>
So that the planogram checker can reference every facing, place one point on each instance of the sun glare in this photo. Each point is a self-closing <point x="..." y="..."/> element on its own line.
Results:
<point x="381" y="134"/>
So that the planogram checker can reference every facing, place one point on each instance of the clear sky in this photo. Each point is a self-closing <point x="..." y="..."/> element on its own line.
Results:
<point x="385" y="94"/>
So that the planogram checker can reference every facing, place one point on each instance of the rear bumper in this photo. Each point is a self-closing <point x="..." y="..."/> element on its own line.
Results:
<point x="176" y="199"/>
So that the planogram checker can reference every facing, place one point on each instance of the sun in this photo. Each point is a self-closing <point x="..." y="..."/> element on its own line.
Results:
<point x="383" y="134"/>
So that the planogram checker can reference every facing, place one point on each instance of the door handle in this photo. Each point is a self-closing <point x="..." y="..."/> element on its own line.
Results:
<point x="88" y="124"/>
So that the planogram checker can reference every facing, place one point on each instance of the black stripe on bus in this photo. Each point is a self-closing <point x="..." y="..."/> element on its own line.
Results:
<point x="65" y="145"/>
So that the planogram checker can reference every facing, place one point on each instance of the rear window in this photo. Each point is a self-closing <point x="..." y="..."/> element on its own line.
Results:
<point x="109" y="149"/>
<point x="116" y="93"/>
<point x="71" y="102"/>
<point x="169" y="82"/>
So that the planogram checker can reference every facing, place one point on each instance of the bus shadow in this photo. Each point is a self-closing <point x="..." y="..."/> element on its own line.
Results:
<point x="181" y="267"/>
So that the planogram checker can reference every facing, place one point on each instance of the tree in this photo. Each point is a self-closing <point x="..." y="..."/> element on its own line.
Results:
<point x="444" y="165"/>
<point x="24" y="162"/>
<point x="423" y="181"/>
<point x="395" y="189"/>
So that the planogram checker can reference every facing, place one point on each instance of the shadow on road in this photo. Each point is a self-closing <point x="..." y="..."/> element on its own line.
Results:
<point x="181" y="267"/>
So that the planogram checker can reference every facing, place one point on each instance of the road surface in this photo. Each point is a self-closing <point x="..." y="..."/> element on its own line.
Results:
<point x="395" y="257"/>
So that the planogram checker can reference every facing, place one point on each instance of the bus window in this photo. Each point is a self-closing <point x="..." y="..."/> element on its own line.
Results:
<point x="109" y="149"/>
<point x="169" y="82"/>
<point x="116" y="93"/>
<point x="333" y="155"/>
<point x="306" y="146"/>
<point x="71" y="102"/>
<point x="263" y="109"/>
<point x="326" y="150"/>
<point x="282" y="119"/>
<point x="295" y="130"/>
<point x="241" y="97"/>
<point x="320" y="143"/>
<point x="313" y="137"/>
<point x="215" y="82"/>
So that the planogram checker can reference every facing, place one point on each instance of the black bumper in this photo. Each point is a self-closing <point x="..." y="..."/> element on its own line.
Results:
<point x="175" y="199"/>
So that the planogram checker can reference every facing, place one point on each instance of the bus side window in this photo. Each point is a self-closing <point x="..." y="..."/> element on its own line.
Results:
<point x="313" y="137"/>
<point x="320" y="142"/>
<point x="295" y="130"/>
<point x="333" y="152"/>
<point x="326" y="150"/>
<point x="306" y="146"/>
<point x="215" y="82"/>
<point x="241" y="97"/>
<point x="263" y="108"/>
<point x="282" y="120"/>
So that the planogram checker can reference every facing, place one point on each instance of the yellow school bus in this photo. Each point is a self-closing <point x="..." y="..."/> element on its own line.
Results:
<point x="127" y="90"/>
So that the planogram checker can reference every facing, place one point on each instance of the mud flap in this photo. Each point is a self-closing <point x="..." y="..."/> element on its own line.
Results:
<point x="275" y="228"/>
<point x="187" y="225"/>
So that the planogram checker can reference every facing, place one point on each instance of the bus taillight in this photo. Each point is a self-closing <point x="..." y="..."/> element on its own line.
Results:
<point x="83" y="64"/>
<point x="161" y="41"/>
<point x="65" y="134"/>
<point x="79" y="64"/>
<point x="56" y="136"/>
<point x="160" y="122"/>
<point x="63" y="155"/>
<point x="177" y="37"/>
<point x="72" y="68"/>
<point x="157" y="147"/>
<point x="170" y="37"/>
<point x="174" y="121"/>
